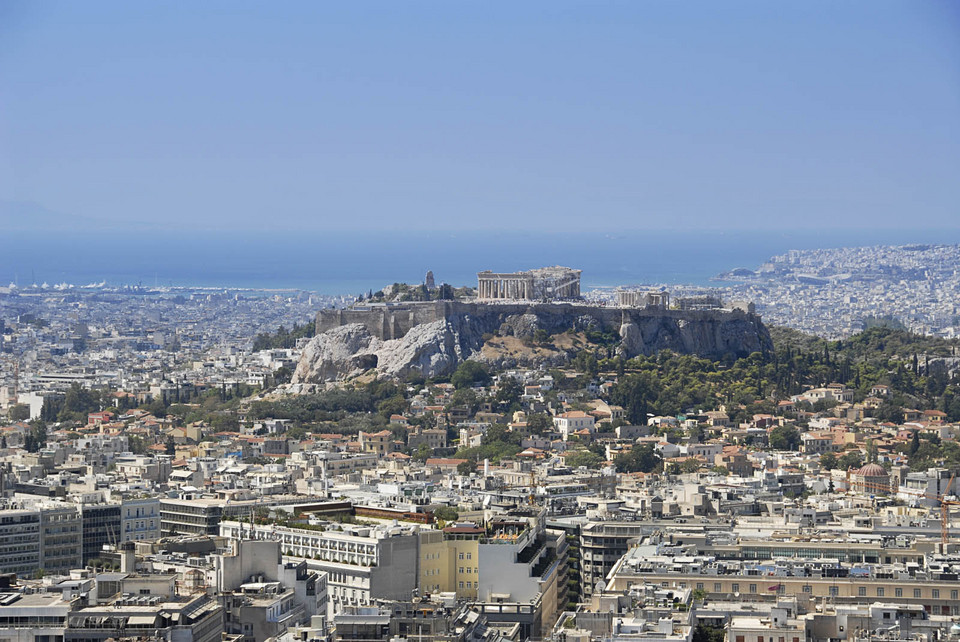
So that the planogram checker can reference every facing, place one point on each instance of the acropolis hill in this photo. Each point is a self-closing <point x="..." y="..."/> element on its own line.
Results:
<point x="433" y="337"/>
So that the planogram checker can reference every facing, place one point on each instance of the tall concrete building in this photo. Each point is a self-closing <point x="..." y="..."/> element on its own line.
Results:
<point x="46" y="536"/>
<point x="101" y="526"/>
<point x="362" y="563"/>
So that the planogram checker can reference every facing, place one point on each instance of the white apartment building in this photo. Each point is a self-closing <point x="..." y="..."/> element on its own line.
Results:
<point x="362" y="563"/>
<point x="570" y="422"/>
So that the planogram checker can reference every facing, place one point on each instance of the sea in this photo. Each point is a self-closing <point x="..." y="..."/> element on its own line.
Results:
<point x="347" y="263"/>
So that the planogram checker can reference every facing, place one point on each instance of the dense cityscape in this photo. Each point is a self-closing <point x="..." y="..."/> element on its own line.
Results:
<point x="836" y="293"/>
<point x="544" y="321"/>
<point x="195" y="464"/>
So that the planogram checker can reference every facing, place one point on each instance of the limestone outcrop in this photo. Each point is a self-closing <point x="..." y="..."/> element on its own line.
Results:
<point x="332" y="354"/>
<point x="429" y="349"/>
<point x="398" y="341"/>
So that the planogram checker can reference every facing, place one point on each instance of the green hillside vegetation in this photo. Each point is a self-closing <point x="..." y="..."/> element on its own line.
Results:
<point x="670" y="384"/>
<point x="283" y="338"/>
<point x="407" y="292"/>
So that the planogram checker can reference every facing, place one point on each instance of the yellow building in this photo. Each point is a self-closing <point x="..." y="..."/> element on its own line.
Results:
<point x="378" y="443"/>
<point x="450" y="561"/>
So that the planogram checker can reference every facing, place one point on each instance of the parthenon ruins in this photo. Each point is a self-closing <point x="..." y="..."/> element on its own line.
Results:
<point x="543" y="284"/>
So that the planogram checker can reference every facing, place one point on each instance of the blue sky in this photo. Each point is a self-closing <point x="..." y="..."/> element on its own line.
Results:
<point x="464" y="115"/>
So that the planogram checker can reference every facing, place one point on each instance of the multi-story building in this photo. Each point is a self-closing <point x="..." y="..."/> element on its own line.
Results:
<point x="101" y="526"/>
<point x="379" y="443"/>
<point x="261" y="610"/>
<point x="573" y="421"/>
<point x="190" y="516"/>
<point x="334" y="463"/>
<point x="433" y="437"/>
<point x="139" y="519"/>
<point x="33" y="617"/>
<point x="362" y="563"/>
<point x="196" y="618"/>
<point x="19" y="541"/>
<point x="817" y="577"/>
<point x="602" y="544"/>
<point x="61" y="537"/>
<point x="449" y="560"/>
<point x="46" y="536"/>
<point x="202" y="515"/>
<point x="521" y="563"/>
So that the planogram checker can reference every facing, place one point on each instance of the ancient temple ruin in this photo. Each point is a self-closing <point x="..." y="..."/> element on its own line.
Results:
<point x="643" y="299"/>
<point x="543" y="284"/>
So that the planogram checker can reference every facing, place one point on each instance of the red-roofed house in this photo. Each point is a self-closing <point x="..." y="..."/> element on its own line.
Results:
<point x="97" y="418"/>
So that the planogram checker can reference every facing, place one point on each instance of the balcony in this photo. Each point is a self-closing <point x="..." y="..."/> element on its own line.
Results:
<point x="532" y="551"/>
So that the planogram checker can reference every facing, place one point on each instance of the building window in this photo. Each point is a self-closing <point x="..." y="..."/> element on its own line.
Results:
<point x="753" y="589"/>
<point x="879" y="591"/>
<point x="953" y="594"/>
<point x="717" y="587"/>
<point x="735" y="587"/>
<point x="834" y="591"/>
<point x="699" y="586"/>
<point x="936" y="594"/>
<point x="916" y="592"/>
<point x="862" y="591"/>
<point x="461" y="555"/>
<point x="469" y="556"/>
<point x="461" y="584"/>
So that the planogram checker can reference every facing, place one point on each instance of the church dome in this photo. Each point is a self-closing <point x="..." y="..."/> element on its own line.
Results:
<point x="873" y="470"/>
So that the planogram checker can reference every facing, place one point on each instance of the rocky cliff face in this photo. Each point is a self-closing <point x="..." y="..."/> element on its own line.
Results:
<point x="437" y="347"/>
<point x="430" y="349"/>
<point x="738" y="335"/>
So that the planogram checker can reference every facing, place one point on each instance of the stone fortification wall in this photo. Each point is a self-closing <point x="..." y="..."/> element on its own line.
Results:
<point x="643" y="330"/>
<point x="433" y="338"/>
<point x="385" y="320"/>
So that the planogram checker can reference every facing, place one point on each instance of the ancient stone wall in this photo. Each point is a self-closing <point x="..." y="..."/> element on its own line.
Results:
<point x="705" y="332"/>
<point x="432" y="338"/>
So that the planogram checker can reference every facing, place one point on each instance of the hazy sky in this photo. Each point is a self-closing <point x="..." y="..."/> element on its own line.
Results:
<point x="459" y="115"/>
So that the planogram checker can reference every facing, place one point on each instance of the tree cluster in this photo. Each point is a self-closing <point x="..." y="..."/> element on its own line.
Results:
<point x="284" y="339"/>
